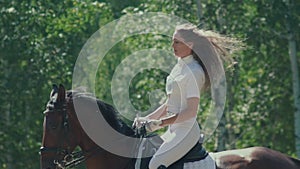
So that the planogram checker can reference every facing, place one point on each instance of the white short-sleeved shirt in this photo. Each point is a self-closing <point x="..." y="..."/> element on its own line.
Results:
<point x="185" y="81"/>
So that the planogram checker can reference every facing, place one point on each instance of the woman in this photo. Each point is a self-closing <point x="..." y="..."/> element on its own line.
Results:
<point x="198" y="66"/>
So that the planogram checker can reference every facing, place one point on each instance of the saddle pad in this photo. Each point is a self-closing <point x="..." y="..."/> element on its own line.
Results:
<point x="207" y="163"/>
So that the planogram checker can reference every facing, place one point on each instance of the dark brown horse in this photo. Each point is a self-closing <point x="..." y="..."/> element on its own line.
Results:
<point x="63" y="133"/>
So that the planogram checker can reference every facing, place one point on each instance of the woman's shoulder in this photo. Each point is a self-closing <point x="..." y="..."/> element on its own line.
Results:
<point x="194" y="68"/>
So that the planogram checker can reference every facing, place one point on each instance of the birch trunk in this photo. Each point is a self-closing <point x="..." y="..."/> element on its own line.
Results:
<point x="295" y="74"/>
<point x="8" y="155"/>
<point x="296" y="89"/>
<point x="220" y="143"/>
<point x="200" y="12"/>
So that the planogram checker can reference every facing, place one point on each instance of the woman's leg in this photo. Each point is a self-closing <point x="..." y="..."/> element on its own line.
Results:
<point x="172" y="150"/>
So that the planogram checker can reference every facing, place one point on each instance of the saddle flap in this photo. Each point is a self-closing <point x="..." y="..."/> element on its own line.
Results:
<point x="147" y="147"/>
<point x="197" y="153"/>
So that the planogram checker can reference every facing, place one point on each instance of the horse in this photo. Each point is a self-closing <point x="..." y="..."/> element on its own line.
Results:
<point x="62" y="134"/>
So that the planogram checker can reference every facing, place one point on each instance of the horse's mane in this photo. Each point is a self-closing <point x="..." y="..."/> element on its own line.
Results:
<point x="296" y="161"/>
<point x="110" y="114"/>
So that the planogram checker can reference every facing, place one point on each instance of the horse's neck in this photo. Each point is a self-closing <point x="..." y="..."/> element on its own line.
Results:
<point x="104" y="160"/>
<point x="98" y="157"/>
<point x="86" y="143"/>
<point x="296" y="161"/>
<point x="101" y="158"/>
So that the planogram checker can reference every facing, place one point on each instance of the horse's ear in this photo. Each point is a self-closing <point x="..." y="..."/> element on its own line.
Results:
<point x="54" y="90"/>
<point x="61" y="93"/>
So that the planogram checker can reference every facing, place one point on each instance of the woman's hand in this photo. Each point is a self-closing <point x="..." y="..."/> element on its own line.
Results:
<point x="139" y="122"/>
<point x="153" y="125"/>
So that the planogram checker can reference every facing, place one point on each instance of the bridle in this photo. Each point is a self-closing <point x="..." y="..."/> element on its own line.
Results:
<point x="69" y="159"/>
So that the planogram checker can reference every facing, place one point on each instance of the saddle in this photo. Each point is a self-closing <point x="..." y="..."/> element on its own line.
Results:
<point x="197" y="153"/>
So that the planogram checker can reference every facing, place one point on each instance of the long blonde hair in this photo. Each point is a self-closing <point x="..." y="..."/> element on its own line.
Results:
<point x="210" y="49"/>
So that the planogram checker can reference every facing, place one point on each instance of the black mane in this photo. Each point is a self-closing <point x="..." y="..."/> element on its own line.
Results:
<point x="296" y="161"/>
<point x="110" y="114"/>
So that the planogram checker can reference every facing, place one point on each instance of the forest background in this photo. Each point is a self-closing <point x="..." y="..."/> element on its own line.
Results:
<point x="41" y="40"/>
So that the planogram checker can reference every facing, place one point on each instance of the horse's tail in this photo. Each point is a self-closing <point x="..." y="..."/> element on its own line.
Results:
<point x="296" y="161"/>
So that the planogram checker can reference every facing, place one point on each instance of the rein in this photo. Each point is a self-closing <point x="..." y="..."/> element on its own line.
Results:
<point x="70" y="160"/>
<point x="74" y="159"/>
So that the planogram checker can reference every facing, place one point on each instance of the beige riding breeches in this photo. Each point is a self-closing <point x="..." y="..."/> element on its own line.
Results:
<point x="177" y="142"/>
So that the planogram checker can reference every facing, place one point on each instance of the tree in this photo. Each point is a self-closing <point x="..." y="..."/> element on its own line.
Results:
<point x="291" y="37"/>
<point x="40" y="41"/>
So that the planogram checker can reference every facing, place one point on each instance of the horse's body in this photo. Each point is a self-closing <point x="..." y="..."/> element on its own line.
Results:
<point x="63" y="132"/>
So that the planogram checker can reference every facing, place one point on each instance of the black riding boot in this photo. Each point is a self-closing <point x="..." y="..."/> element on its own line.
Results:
<point x="162" y="167"/>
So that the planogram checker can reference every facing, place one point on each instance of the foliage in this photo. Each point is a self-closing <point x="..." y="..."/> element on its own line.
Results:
<point x="40" y="42"/>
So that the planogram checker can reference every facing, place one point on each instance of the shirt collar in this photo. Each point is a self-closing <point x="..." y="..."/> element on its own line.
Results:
<point x="186" y="60"/>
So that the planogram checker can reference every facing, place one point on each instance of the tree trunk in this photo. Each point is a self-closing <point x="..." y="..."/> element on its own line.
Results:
<point x="232" y="78"/>
<point x="221" y="136"/>
<point x="295" y="73"/>
<point x="7" y="143"/>
<point x="200" y="13"/>
<point x="296" y="90"/>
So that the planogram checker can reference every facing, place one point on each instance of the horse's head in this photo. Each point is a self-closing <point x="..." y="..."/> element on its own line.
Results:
<point x="59" y="135"/>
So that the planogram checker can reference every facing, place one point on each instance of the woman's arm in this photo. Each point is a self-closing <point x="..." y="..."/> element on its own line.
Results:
<point x="158" y="113"/>
<point x="188" y="113"/>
